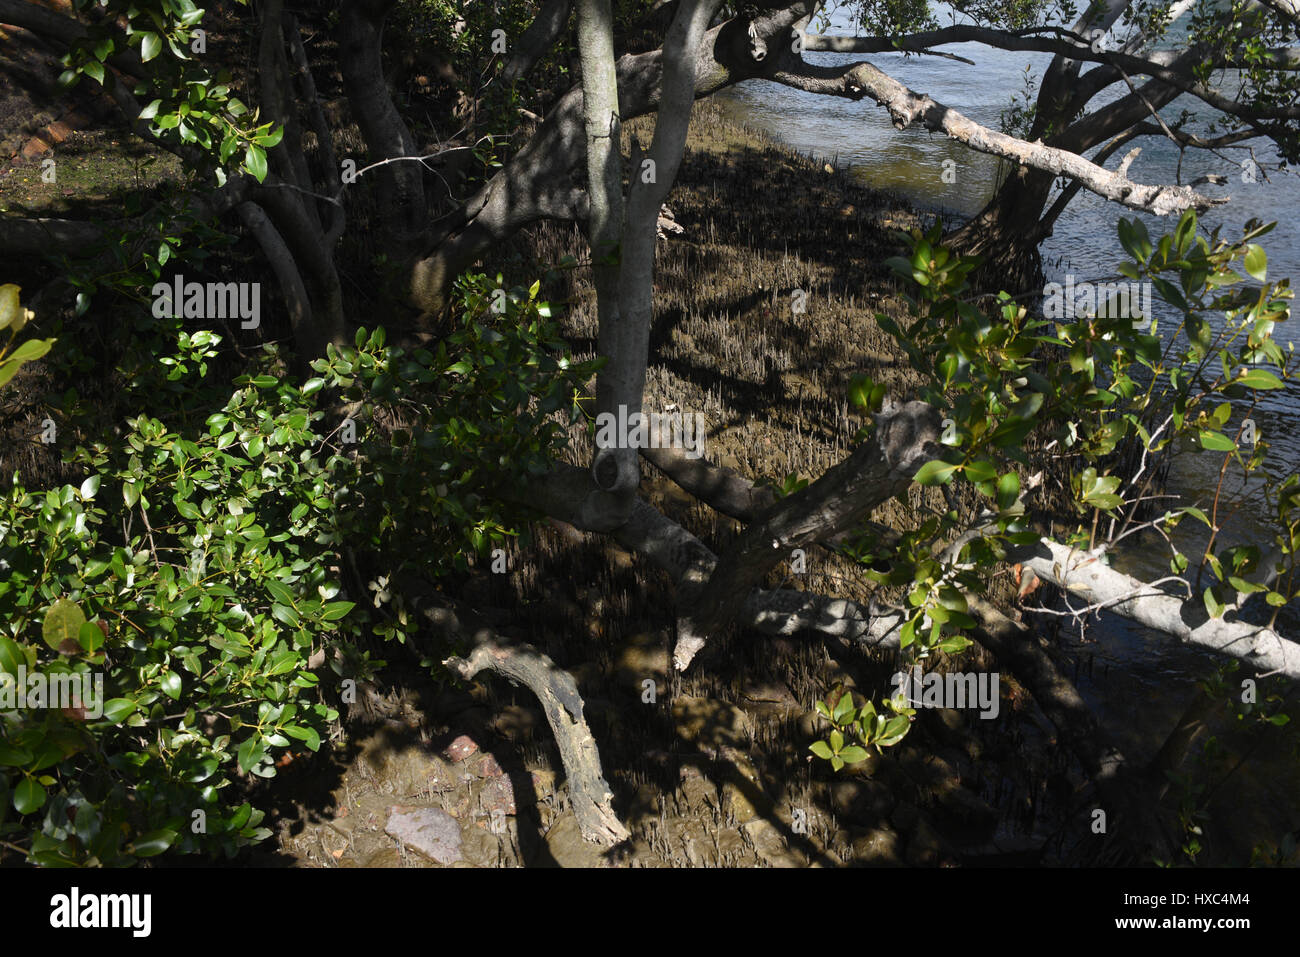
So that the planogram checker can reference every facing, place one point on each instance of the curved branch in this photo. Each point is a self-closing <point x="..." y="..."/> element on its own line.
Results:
<point x="540" y="36"/>
<point x="558" y="693"/>
<point x="306" y="336"/>
<point x="907" y="107"/>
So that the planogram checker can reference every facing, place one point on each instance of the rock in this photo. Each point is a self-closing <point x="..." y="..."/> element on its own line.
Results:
<point x="460" y="748"/>
<point x="487" y="767"/>
<point x="433" y="833"/>
<point x="498" y="794"/>
<point x="35" y="147"/>
<point x="57" y="132"/>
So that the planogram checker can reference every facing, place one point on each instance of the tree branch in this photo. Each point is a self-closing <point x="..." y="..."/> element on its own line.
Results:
<point x="1084" y="574"/>
<point x="906" y="107"/>
<point x="555" y="688"/>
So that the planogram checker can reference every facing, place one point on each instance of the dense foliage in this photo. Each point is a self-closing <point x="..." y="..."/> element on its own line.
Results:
<point x="199" y="568"/>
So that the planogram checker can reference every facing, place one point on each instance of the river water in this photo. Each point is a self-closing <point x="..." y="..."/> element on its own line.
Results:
<point x="1139" y="681"/>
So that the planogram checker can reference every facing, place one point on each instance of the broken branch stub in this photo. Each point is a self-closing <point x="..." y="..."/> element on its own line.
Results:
<point x="558" y="693"/>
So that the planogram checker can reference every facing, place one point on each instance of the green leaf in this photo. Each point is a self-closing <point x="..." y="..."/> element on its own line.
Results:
<point x="250" y="753"/>
<point x="1261" y="379"/>
<point x="934" y="472"/>
<point x="860" y="391"/>
<point x="171" y="685"/>
<point x="821" y="749"/>
<point x="89" y="487"/>
<point x="116" y="710"/>
<point x="279" y="591"/>
<point x="150" y="111"/>
<point x="980" y="471"/>
<point x="151" y="47"/>
<point x="30" y="350"/>
<point x="153" y="843"/>
<point x="1216" y="441"/>
<point x="13" y="757"/>
<point x="1212" y="604"/>
<point x="91" y="637"/>
<point x="11" y="656"/>
<point x="853" y="754"/>
<point x="29" y="796"/>
<point x="1256" y="262"/>
<point x="842" y="708"/>
<point x="308" y="736"/>
<point x="1008" y="490"/>
<point x="255" y="162"/>
<point x="62" y="623"/>
<point x="336" y="610"/>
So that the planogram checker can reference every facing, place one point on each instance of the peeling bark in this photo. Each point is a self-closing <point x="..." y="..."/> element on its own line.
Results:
<point x="522" y="664"/>
<point x="1087" y="576"/>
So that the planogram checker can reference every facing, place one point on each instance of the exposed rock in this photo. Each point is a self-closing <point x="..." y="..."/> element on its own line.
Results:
<point x="460" y="749"/>
<point x="498" y="794"/>
<point x="487" y="767"/>
<point x="433" y="833"/>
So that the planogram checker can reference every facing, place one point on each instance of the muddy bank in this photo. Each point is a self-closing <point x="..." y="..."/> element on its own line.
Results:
<point x="765" y="304"/>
